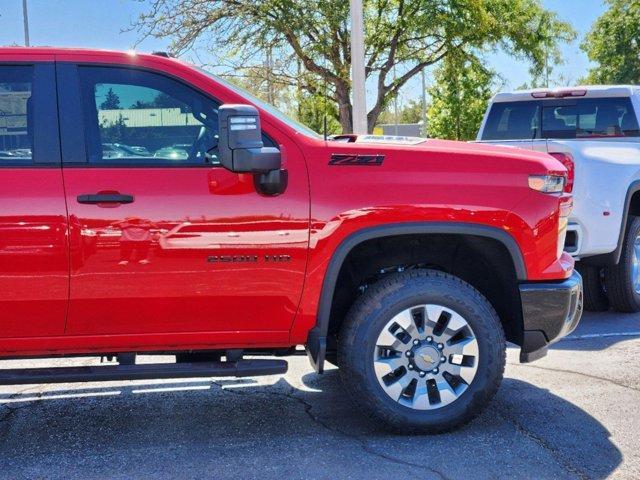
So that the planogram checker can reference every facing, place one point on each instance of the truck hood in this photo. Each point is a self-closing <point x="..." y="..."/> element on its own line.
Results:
<point x="424" y="148"/>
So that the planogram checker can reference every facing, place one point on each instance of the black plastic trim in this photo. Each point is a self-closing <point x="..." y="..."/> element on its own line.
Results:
<point x="240" y="368"/>
<point x="316" y="341"/>
<point x="71" y="116"/>
<point x="105" y="198"/>
<point x="45" y="145"/>
<point x="613" y="258"/>
<point x="550" y="311"/>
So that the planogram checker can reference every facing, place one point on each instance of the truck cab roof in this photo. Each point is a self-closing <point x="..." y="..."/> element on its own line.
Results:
<point x="588" y="91"/>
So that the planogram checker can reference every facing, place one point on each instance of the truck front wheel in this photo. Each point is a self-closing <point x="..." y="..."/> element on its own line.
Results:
<point x="422" y="351"/>
<point x="622" y="281"/>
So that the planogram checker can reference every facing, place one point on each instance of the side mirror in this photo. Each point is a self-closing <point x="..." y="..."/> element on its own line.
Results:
<point x="240" y="144"/>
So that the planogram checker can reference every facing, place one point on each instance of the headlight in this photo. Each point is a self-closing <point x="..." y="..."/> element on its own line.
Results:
<point x="547" y="183"/>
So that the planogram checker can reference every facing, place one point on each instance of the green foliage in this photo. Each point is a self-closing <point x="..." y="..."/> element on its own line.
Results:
<point x="115" y="132"/>
<point x="613" y="44"/>
<point x="459" y="98"/>
<point x="161" y="100"/>
<point x="111" y="101"/>
<point x="401" y="35"/>
<point x="312" y="110"/>
<point x="408" y="113"/>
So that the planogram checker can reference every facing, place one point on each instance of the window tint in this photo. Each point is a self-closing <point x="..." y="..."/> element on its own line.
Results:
<point x="141" y="118"/>
<point x="513" y="120"/>
<point x="16" y="115"/>
<point x="572" y="118"/>
<point x="598" y="117"/>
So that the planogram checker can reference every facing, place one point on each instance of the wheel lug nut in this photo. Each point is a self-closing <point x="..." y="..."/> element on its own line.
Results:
<point x="422" y="374"/>
<point x="408" y="354"/>
<point x="440" y="346"/>
<point x="435" y="370"/>
<point x="429" y="339"/>
<point x="416" y="342"/>
<point x="443" y="359"/>
<point x="410" y="367"/>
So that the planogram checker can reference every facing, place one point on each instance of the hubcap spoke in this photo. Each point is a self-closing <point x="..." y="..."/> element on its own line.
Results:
<point x="464" y="372"/>
<point x="384" y="366"/>
<point x="406" y="321"/>
<point x="456" y="323"/>
<point x="434" y="312"/>
<point x="468" y="346"/>
<point x="395" y="389"/>
<point x="390" y="341"/>
<point x="447" y="394"/>
<point x="421" y="398"/>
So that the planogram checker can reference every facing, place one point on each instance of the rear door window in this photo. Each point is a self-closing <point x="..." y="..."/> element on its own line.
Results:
<point x="16" y="115"/>
<point x="513" y="120"/>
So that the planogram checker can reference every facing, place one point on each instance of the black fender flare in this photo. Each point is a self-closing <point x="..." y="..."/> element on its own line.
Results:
<point x="317" y="338"/>
<point x="613" y="258"/>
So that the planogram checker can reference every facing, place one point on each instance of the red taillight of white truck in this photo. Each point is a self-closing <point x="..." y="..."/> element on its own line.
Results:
<point x="567" y="160"/>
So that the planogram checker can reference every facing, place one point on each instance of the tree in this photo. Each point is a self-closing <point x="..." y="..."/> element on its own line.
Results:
<point x="459" y="97"/>
<point x="401" y="35"/>
<point x="111" y="102"/>
<point x="613" y="44"/>
<point x="161" y="100"/>
<point x="409" y="113"/>
<point x="312" y="110"/>
<point x="114" y="132"/>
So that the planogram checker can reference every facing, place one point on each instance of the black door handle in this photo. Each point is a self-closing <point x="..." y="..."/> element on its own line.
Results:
<point x="105" y="198"/>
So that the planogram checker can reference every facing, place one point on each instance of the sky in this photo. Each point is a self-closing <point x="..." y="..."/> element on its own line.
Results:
<point x="100" y="24"/>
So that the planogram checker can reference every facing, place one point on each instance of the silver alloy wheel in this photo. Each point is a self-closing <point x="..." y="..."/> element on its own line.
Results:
<point x="635" y="265"/>
<point x="426" y="357"/>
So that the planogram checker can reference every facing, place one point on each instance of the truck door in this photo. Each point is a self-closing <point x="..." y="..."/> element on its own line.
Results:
<point x="180" y="244"/>
<point x="34" y="259"/>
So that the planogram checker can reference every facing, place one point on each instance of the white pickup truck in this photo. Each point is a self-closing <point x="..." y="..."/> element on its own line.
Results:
<point x="594" y="132"/>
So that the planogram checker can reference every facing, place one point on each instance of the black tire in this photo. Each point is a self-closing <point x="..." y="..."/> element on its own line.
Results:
<point x="618" y="279"/>
<point x="377" y="306"/>
<point x="595" y="297"/>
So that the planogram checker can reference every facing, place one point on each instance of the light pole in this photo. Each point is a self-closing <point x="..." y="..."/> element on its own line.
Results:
<point x="25" y="18"/>
<point x="424" y="103"/>
<point x="357" y="69"/>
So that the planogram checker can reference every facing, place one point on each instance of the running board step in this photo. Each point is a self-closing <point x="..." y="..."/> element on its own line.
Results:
<point x="108" y="373"/>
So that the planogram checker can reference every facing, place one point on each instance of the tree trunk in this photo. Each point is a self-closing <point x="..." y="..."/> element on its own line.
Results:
<point x="372" y="118"/>
<point x="345" y="117"/>
<point x="345" y="110"/>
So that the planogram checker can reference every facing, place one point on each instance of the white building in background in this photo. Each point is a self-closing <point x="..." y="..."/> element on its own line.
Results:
<point x="148" y="117"/>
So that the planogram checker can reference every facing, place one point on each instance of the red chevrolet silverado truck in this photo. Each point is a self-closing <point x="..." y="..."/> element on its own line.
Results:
<point x="150" y="207"/>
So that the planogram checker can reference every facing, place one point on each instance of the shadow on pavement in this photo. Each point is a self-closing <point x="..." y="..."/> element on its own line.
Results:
<point x="278" y="431"/>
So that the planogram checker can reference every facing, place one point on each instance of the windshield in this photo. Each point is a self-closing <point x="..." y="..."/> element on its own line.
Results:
<point x="264" y="106"/>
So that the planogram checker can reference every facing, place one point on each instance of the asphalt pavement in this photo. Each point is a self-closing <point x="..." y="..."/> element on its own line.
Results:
<point x="573" y="414"/>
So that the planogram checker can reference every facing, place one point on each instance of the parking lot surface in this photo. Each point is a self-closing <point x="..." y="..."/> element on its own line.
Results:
<point x="574" y="414"/>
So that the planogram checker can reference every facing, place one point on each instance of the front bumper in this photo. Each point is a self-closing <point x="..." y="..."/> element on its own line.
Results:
<point x="549" y="312"/>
